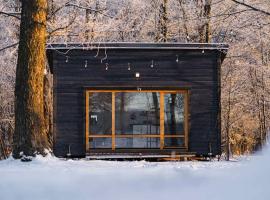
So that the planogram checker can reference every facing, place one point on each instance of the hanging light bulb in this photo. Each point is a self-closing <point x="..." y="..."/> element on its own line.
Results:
<point x="106" y="66"/>
<point x="66" y="59"/>
<point x="177" y="59"/>
<point x="129" y="67"/>
<point x="85" y="65"/>
<point x="203" y="51"/>
<point x="152" y="64"/>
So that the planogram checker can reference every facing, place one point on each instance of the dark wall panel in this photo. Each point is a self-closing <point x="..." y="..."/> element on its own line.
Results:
<point x="195" y="71"/>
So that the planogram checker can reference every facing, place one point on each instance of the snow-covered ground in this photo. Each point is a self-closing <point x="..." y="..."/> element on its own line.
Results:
<point x="51" y="178"/>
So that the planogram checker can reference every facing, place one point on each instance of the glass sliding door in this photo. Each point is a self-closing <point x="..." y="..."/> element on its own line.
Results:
<point x="135" y="119"/>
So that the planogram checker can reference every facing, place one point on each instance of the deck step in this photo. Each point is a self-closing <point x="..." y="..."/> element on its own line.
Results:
<point x="126" y="156"/>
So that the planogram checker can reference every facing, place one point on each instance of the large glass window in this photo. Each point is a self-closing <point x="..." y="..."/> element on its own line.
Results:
<point x="100" y="143"/>
<point x="100" y="113"/>
<point x="173" y="142"/>
<point x="137" y="142"/>
<point x="174" y="114"/>
<point x="137" y="113"/>
<point x="136" y="119"/>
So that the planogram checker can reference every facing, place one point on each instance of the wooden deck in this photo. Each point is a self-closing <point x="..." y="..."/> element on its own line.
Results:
<point x="152" y="156"/>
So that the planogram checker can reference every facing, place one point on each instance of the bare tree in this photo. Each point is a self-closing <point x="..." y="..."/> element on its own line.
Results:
<point x="30" y="135"/>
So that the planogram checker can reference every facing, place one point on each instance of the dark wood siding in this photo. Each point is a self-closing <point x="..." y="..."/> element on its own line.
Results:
<point x="196" y="71"/>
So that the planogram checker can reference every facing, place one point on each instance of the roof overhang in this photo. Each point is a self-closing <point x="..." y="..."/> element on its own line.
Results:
<point x="222" y="48"/>
<point x="136" y="45"/>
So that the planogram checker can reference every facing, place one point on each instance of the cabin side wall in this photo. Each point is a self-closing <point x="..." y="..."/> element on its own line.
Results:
<point x="196" y="71"/>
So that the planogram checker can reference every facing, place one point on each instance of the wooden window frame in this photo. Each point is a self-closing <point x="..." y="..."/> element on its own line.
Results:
<point x="162" y="135"/>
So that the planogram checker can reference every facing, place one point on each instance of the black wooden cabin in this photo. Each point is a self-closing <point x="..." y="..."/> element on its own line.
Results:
<point x="136" y="98"/>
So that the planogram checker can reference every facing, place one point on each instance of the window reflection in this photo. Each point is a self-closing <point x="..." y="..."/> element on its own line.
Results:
<point x="100" y="115"/>
<point x="137" y="143"/>
<point x="174" y="142"/>
<point x="174" y="114"/>
<point x="137" y="113"/>
<point x="96" y="143"/>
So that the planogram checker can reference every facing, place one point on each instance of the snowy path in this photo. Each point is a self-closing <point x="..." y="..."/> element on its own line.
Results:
<point x="51" y="178"/>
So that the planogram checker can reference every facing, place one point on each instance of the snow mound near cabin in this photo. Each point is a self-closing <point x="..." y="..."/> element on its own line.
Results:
<point x="51" y="178"/>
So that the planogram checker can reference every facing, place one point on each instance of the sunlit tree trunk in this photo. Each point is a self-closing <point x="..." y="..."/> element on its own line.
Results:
<point x="30" y="134"/>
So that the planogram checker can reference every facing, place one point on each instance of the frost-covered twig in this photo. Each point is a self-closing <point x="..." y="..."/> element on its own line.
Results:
<point x="9" y="46"/>
<point x="15" y="15"/>
<point x="252" y="7"/>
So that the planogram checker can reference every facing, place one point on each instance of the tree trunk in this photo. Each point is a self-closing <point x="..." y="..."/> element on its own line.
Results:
<point x="162" y="32"/>
<point x="90" y="32"/>
<point x="204" y="29"/>
<point x="173" y="118"/>
<point x="185" y="21"/>
<point x="228" y="120"/>
<point x="30" y="133"/>
<point x="48" y="106"/>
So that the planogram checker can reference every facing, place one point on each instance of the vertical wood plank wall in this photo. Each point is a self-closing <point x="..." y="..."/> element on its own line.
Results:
<point x="195" y="71"/>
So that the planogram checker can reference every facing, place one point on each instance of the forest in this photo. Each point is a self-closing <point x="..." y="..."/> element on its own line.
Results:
<point x="245" y="75"/>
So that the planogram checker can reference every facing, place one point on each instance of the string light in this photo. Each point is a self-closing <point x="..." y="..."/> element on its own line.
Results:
<point x="129" y="67"/>
<point x="139" y="89"/>
<point x="152" y="64"/>
<point x="129" y="64"/>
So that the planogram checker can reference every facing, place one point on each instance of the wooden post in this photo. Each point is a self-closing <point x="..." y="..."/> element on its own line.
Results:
<point x="161" y="120"/>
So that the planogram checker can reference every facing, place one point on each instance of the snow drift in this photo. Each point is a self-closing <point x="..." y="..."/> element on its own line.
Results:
<point x="52" y="178"/>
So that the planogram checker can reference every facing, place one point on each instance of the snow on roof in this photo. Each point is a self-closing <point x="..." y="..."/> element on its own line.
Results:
<point x="136" y="45"/>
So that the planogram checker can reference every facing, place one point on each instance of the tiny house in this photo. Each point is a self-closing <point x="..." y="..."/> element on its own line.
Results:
<point x="136" y="99"/>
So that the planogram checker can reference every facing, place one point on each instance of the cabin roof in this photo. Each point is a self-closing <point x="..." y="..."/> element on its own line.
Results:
<point x="136" y="45"/>
<point x="222" y="48"/>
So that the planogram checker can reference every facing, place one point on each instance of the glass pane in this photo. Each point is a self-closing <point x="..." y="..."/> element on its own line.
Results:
<point x="100" y="113"/>
<point x="137" y="143"/>
<point x="174" y="142"/>
<point x="174" y="114"/>
<point x="137" y="113"/>
<point x="96" y="143"/>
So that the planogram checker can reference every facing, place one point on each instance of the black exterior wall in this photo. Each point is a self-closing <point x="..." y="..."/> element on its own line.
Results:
<point x="77" y="67"/>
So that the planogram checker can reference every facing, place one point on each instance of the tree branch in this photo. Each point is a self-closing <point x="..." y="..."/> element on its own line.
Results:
<point x="9" y="46"/>
<point x="252" y="7"/>
<point x="11" y="14"/>
<point x="88" y="8"/>
<point x="63" y="27"/>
